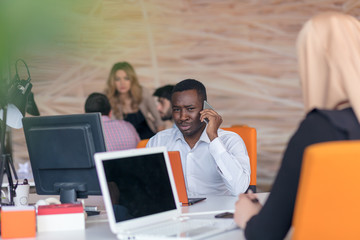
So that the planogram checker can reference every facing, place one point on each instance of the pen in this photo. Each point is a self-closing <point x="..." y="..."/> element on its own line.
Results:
<point x="255" y="199"/>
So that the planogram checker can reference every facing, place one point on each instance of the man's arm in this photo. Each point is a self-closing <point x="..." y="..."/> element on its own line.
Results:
<point x="233" y="162"/>
<point x="152" y="142"/>
<point x="230" y="154"/>
<point x="161" y="139"/>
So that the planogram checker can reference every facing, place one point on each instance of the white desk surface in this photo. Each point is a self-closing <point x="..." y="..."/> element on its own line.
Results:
<point x="97" y="227"/>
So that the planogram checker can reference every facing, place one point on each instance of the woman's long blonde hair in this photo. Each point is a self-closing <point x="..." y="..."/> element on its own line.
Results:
<point x="328" y="49"/>
<point x="135" y="92"/>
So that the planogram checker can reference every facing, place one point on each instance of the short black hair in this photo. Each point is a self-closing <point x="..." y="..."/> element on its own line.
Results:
<point x="164" y="92"/>
<point x="190" y="84"/>
<point x="97" y="102"/>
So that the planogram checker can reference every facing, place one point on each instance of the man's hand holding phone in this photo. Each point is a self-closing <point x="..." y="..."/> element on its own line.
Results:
<point x="212" y="118"/>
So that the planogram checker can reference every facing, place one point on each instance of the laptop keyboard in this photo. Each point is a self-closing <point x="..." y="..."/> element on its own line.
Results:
<point x="190" y="228"/>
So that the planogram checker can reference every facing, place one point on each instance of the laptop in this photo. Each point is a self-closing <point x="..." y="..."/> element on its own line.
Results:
<point x="176" y="166"/>
<point x="141" y="200"/>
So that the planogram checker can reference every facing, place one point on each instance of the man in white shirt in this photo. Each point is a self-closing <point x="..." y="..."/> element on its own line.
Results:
<point x="215" y="162"/>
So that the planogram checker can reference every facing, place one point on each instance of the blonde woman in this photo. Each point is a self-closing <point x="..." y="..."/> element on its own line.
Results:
<point x="328" y="48"/>
<point x="132" y="102"/>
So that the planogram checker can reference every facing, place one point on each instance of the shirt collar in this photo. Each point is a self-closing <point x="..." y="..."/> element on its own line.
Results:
<point x="204" y="137"/>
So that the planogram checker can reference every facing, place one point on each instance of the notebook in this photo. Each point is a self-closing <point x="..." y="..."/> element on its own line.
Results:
<point x="176" y="166"/>
<point x="141" y="200"/>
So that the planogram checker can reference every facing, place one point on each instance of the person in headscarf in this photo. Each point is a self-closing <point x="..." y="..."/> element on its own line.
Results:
<point x="328" y="48"/>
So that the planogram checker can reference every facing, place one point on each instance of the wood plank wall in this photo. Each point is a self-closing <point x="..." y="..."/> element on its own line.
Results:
<point x="243" y="51"/>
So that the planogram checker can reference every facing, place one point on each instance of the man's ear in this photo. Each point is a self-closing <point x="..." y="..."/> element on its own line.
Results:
<point x="110" y="113"/>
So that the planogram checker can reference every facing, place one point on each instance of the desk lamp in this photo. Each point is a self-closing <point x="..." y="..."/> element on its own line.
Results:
<point x="18" y="99"/>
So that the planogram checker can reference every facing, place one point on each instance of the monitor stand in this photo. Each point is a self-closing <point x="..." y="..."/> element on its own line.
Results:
<point x="68" y="191"/>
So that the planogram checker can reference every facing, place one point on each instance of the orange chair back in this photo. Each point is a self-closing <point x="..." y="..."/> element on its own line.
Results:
<point x="142" y="143"/>
<point x="176" y="167"/>
<point x="248" y="134"/>
<point x="327" y="202"/>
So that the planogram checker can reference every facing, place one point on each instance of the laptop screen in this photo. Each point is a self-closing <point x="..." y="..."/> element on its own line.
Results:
<point x="139" y="186"/>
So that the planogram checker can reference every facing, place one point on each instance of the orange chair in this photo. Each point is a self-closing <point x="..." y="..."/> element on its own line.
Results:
<point x="327" y="202"/>
<point x="142" y="143"/>
<point x="248" y="134"/>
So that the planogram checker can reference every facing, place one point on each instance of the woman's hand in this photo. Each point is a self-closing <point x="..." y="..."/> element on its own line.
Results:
<point x="245" y="208"/>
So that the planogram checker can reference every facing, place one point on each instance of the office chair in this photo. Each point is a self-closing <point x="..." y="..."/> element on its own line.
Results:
<point x="142" y="143"/>
<point x="248" y="134"/>
<point x="327" y="202"/>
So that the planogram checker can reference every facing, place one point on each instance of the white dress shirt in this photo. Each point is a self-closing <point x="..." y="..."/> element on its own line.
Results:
<point x="220" y="167"/>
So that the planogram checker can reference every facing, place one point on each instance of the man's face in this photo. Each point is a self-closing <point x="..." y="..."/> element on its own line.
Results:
<point x="164" y="108"/>
<point x="186" y="106"/>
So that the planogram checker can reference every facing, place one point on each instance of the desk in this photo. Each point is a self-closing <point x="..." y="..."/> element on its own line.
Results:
<point x="97" y="227"/>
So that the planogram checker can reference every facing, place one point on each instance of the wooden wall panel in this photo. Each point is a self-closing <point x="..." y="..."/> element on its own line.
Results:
<point x="243" y="51"/>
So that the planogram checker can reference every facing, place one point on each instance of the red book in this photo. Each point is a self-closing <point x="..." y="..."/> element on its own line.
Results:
<point x="60" y="208"/>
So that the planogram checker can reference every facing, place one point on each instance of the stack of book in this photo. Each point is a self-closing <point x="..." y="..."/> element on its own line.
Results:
<point x="60" y="217"/>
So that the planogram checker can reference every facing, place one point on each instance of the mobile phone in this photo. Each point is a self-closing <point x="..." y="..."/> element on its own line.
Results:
<point x="207" y="106"/>
<point x="225" y="215"/>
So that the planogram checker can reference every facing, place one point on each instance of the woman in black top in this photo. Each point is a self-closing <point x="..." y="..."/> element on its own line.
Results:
<point x="132" y="102"/>
<point x="329" y="65"/>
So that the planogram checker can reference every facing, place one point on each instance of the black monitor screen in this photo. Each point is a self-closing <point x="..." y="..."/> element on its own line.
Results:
<point x="61" y="150"/>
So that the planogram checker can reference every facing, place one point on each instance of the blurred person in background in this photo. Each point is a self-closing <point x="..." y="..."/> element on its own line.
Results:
<point x="132" y="102"/>
<point x="163" y="95"/>
<point x="119" y="134"/>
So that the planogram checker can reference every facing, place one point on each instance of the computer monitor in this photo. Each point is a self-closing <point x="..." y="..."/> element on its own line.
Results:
<point x="61" y="151"/>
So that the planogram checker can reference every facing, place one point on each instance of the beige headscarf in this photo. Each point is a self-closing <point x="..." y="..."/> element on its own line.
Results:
<point x="328" y="49"/>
